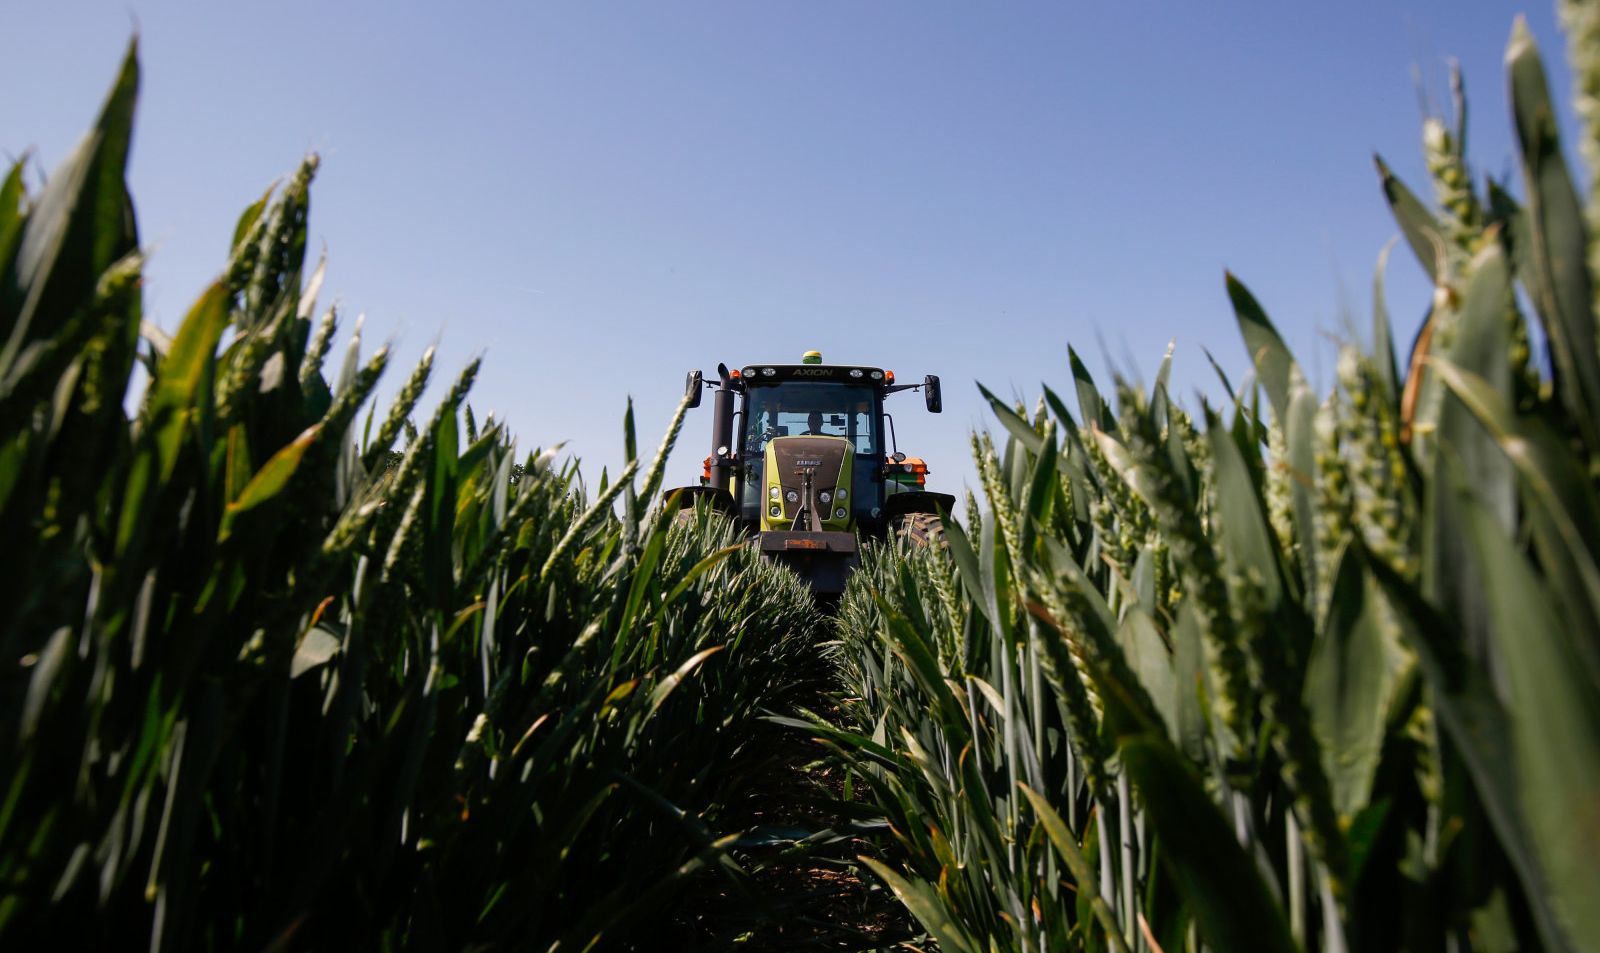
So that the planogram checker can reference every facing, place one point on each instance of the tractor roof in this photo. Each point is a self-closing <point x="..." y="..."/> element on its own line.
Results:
<point x="757" y="374"/>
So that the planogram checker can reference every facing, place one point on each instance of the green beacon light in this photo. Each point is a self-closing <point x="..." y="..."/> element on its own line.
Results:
<point x="812" y="357"/>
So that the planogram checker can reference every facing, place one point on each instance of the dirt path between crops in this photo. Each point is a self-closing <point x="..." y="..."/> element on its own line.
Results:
<point x="808" y="891"/>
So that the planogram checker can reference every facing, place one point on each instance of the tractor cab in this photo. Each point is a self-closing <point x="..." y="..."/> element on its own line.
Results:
<point x="803" y="456"/>
<point x="797" y="428"/>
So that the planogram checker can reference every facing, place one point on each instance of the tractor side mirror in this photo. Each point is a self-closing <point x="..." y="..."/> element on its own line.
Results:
<point x="691" y="388"/>
<point x="931" y="395"/>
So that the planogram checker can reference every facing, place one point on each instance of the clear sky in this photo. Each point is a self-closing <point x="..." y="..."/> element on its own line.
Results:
<point x="599" y="196"/>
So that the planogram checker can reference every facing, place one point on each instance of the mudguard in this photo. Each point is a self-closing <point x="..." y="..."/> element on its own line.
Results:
<point x="918" y="501"/>
<point x="684" y="497"/>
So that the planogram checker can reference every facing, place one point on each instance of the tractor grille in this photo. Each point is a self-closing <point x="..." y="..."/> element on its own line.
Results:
<point x="824" y="455"/>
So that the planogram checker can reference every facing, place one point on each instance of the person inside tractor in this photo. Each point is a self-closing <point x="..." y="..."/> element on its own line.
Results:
<point x="814" y="424"/>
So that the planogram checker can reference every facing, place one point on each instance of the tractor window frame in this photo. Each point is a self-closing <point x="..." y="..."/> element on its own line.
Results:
<point x="780" y="410"/>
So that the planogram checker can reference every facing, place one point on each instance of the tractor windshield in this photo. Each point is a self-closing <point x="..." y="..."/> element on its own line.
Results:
<point x="808" y="408"/>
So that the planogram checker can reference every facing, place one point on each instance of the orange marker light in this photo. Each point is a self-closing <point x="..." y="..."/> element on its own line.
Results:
<point x="735" y="375"/>
<point x="889" y="375"/>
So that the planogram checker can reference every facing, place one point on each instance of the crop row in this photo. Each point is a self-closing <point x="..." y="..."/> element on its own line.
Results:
<point x="1305" y="671"/>
<point x="281" y="672"/>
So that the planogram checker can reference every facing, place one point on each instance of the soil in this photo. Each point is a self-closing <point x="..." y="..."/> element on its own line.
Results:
<point x="807" y="890"/>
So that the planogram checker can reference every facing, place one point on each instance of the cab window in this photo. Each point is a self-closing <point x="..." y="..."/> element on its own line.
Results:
<point x="811" y="409"/>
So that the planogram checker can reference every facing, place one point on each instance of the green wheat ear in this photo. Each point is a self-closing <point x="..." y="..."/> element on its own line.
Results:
<point x="1385" y="509"/>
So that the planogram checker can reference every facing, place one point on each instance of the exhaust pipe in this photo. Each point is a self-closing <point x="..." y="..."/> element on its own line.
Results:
<point x="722" y="430"/>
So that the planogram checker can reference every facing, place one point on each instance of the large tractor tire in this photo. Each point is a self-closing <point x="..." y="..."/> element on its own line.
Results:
<point x="918" y="530"/>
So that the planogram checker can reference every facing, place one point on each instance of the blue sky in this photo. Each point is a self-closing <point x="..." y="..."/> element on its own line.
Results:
<point x="599" y="196"/>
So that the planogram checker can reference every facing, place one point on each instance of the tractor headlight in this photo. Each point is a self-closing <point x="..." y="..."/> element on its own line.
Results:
<point x="772" y="492"/>
<point x="773" y="510"/>
<point x="843" y="493"/>
<point x="825" y="496"/>
<point x="792" y="496"/>
<point x="840" y="513"/>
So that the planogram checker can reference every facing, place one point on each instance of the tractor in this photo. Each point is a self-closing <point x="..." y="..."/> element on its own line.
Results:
<point x="804" y="458"/>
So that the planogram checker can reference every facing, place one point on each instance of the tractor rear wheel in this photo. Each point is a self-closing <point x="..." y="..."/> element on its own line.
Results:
<point x="918" y="530"/>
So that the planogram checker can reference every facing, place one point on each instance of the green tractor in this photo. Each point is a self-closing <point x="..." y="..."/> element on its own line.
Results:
<point x="799" y="458"/>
